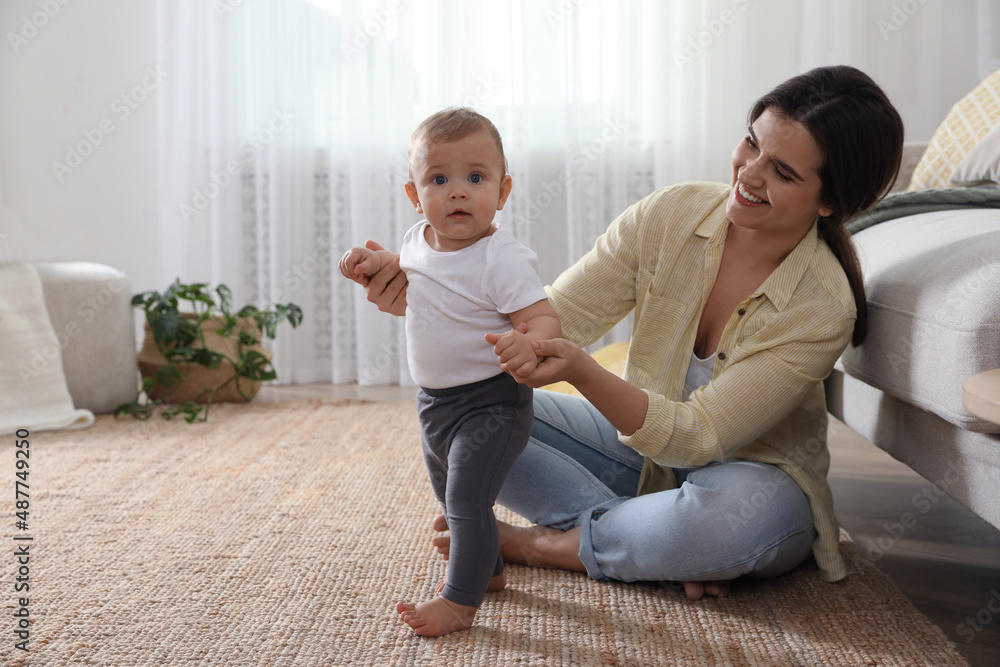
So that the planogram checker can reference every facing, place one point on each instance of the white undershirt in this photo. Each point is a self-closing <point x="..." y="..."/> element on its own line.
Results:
<point x="699" y="373"/>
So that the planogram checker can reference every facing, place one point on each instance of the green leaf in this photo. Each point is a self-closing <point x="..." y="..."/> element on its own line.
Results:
<point x="191" y="410"/>
<point x="294" y="315"/>
<point x="167" y="376"/>
<point x="164" y="324"/>
<point x="247" y="338"/>
<point x="255" y="366"/>
<point x="248" y="311"/>
<point x="187" y="332"/>
<point x="170" y="295"/>
<point x="226" y="329"/>
<point x="225" y="298"/>
<point x="207" y="358"/>
<point x="178" y="354"/>
<point x="141" y="298"/>
<point x="270" y="325"/>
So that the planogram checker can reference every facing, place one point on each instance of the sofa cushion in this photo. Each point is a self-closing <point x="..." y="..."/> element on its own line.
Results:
<point x="933" y="284"/>
<point x="966" y="124"/>
<point x="982" y="165"/>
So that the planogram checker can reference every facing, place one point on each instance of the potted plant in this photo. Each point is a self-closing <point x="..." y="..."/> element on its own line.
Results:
<point x="207" y="354"/>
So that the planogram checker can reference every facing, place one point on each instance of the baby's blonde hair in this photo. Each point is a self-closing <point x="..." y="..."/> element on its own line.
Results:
<point x="452" y="124"/>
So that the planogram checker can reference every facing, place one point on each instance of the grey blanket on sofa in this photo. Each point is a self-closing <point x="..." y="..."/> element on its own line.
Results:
<point x="900" y="204"/>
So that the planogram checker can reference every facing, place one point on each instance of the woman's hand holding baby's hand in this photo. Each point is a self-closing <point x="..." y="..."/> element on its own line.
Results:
<point x="550" y="360"/>
<point x="557" y="362"/>
<point x="514" y="352"/>
<point x="359" y="264"/>
<point x="384" y="282"/>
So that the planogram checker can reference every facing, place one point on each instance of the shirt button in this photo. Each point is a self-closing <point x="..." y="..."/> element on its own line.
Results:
<point x="722" y="356"/>
<point x="741" y="312"/>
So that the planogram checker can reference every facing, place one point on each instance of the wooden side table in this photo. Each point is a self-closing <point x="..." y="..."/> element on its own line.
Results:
<point x="981" y="395"/>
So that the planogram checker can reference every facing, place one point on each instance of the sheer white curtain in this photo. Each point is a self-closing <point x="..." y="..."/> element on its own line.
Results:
<point x="284" y="126"/>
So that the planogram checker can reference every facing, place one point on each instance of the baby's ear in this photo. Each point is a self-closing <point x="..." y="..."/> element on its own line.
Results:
<point x="411" y="192"/>
<point x="505" y="185"/>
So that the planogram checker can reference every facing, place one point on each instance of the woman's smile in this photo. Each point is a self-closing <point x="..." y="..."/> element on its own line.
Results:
<point x="746" y="198"/>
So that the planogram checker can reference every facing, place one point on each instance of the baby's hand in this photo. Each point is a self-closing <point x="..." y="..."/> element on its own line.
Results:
<point x="514" y="352"/>
<point x="358" y="262"/>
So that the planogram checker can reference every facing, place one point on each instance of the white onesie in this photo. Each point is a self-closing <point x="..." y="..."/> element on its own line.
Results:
<point x="454" y="298"/>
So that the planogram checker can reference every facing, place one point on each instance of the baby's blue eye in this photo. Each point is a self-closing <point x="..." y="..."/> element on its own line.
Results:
<point x="439" y="180"/>
<point x="476" y="178"/>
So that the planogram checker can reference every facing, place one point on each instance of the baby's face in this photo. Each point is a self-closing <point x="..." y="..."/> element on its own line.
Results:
<point x="458" y="186"/>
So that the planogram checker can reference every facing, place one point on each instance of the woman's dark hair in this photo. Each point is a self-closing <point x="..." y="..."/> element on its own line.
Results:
<point x="861" y="136"/>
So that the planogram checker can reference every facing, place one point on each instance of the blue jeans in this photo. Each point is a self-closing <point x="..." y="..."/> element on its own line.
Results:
<point x="725" y="520"/>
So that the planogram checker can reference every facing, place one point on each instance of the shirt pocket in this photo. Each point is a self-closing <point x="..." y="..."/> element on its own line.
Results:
<point x="657" y="328"/>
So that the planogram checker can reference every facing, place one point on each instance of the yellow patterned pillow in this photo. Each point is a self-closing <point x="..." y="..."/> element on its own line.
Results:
<point x="969" y="120"/>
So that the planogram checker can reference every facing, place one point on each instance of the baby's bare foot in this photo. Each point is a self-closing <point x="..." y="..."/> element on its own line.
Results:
<point x="497" y="583"/>
<point x="436" y="617"/>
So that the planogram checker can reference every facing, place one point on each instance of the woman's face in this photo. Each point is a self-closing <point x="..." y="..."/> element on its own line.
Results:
<point x="775" y="184"/>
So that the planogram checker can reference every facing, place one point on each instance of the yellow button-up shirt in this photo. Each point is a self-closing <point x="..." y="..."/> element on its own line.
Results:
<point x="765" y="401"/>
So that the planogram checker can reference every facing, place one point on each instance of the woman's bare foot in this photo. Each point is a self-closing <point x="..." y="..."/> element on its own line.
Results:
<point x="695" y="590"/>
<point x="538" y="546"/>
<point x="436" y="617"/>
<point x="497" y="583"/>
<point x="541" y="546"/>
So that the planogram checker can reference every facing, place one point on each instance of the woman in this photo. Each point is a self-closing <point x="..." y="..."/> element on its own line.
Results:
<point x="708" y="460"/>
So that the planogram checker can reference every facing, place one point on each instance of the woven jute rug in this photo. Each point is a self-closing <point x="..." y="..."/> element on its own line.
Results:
<point x="285" y="533"/>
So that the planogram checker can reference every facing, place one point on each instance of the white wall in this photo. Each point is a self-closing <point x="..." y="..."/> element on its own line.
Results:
<point x="58" y="82"/>
<point x="61" y="81"/>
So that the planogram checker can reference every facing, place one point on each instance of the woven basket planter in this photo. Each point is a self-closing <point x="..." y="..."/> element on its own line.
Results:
<point x="199" y="378"/>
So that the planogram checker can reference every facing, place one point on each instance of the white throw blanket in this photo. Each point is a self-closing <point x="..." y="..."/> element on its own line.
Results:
<point x="33" y="391"/>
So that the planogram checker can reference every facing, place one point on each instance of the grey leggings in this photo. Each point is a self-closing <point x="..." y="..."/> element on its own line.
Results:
<point x="472" y="434"/>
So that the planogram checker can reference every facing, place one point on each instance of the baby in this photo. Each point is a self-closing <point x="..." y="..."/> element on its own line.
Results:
<point x="467" y="280"/>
